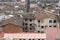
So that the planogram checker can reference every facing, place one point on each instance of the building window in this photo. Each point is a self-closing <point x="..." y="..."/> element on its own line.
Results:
<point x="54" y="26"/>
<point x="38" y="39"/>
<point x="33" y="39"/>
<point x="42" y="26"/>
<point x="30" y="20"/>
<point x="50" y="21"/>
<point x="23" y="28"/>
<point x="29" y="39"/>
<point x="38" y="21"/>
<point x="30" y="28"/>
<point x="23" y="39"/>
<point x="30" y="24"/>
<point x="26" y="24"/>
<point x="26" y="19"/>
<point x="42" y="39"/>
<point x="50" y="26"/>
<point x="20" y="39"/>
<point x="26" y="28"/>
<point x="38" y="31"/>
<point x="26" y="31"/>
<point x="54" y="21"/>
<point x="42" y="31"/>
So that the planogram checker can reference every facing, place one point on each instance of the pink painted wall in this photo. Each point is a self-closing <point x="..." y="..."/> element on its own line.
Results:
<point x="24" y="35"/>
<point x="52" y="33"/>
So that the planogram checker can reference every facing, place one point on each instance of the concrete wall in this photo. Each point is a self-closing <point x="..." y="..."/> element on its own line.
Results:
<point x="28" y="25"/>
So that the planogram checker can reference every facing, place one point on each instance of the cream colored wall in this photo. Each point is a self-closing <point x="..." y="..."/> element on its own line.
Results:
<point x="45" y="23"/>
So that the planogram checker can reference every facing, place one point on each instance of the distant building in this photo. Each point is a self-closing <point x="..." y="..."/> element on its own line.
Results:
<point x="33" y="5"/>
<point x="49" y="1"/>
<point x="28" y="23"/>
<point x="12" y="25"/>
<point x="7" y="0"/>
<point x="44" y="20"/>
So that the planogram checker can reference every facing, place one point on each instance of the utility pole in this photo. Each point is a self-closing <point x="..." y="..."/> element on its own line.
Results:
<point x="28" y="5"/>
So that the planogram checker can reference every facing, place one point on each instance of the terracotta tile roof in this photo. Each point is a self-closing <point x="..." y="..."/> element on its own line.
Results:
<point x="40" y="16"/>
<point x="44" y="14"/>
<point x="11" y="28"/>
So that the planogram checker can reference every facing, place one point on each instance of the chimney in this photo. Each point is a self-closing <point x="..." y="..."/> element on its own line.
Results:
<point x="28" y="5"/>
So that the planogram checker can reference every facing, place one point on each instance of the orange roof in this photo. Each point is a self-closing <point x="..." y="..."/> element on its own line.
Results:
<point x="11" y="28"/>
